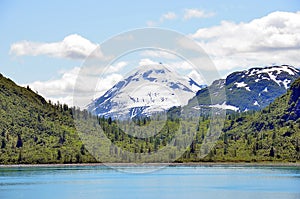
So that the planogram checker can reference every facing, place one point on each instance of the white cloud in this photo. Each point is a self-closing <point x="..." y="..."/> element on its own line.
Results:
<point x="151" y="23"/>
<point x="181" y="65"/>
<point x="73" y="47"/>
<point x="144" y="62"/>
<point x="164" y="17"/>
<point x="187" y="14"/>
<point x="158" y="54"/>
<point x="272" y="39"/>
<point x="196" y="77"/>
<point x="177" y="65"/>
<point x="106" y="83"/>
<point x="196" y="13"/>
<point x="116" y="67"/>
<point x="168" y="16"/>
<point x="59" y="89"/>
<point x="62" y="89"/>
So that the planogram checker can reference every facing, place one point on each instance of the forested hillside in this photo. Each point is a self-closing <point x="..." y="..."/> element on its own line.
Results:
<point x="33" y="130"/>
<point x="272" y="134"/>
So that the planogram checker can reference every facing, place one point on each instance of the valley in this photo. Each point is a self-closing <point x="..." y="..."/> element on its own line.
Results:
<point x="36" y="131"/>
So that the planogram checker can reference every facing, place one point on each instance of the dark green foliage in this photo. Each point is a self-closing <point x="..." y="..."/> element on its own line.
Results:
<point x="272" y="152"/>
<point x="35" y="131"/>
<point x="3" y="144"/>
<point x="19" y="142"/>
<point x="269" y="135"/>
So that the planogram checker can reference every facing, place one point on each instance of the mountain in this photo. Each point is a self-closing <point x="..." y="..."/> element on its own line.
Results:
<point x="147" y="90"/>
<point x="272" y="134"/>
<point x="251" y="89"/>
<point x="293" y="111"/>
<point x="33" y="130"/>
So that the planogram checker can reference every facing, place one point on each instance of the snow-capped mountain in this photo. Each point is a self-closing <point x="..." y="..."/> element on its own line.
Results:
<point x="251" y="89"/>
<point x="147" y="90"/>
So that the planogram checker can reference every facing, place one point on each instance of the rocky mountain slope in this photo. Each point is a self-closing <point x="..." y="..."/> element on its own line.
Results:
<point x="147" y="90"/>
<point x="251" y="89"/>
<point x="33" y="130"/>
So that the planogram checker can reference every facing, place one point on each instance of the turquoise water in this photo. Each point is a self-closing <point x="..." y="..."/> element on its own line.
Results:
<point x="171" y="182"/>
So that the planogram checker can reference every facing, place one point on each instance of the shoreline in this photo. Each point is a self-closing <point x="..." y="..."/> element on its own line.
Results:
<point x="187" y="164"/>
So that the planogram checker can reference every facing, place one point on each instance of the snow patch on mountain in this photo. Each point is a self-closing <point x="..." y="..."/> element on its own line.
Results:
<point x="225" y="106"/>
<point x="286" y="82"/>
<point x="240" y="84"/>
<point x="273" y="73"/>
<point x="256" y="103"/>
<point x="252" y="89"/>
<point x="220" y="106"/>
<point x="278" y="70"/>
<point x="247" y="88"/>
<point x="265" y="90"/>
<point x="149" y="89"/>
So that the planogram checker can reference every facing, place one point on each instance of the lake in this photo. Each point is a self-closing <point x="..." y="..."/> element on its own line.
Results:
<point x="209" y="182"/>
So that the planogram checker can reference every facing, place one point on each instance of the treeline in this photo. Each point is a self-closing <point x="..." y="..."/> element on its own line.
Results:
<point x="34" y="131"/>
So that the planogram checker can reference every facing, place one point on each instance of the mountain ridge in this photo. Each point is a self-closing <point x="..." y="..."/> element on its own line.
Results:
<point x="147" y="90"/>
<point x="251" y="89"/>
<point x="271" y="134"/>
<point x="34" y="131"/>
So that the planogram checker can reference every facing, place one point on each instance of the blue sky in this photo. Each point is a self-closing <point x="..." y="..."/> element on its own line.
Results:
<point x="52" y="21"/>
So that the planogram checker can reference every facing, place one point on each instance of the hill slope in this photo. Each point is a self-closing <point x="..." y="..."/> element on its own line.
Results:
<point x="272" y="134"/>
<point x="35" y="131"/>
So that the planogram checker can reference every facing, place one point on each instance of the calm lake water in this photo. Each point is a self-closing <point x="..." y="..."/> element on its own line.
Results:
<point x="171" y="182"/>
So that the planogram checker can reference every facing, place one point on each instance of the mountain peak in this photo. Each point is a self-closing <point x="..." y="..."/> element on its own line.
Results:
<point x="158" y="68"/>
<point x="146" y="90"/>
<point x="251" y="89"/>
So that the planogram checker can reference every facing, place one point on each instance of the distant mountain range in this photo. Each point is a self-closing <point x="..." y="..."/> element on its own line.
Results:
<point x="148" y="90"/>
<point x="34" y="131"/>
<point x="246" y="90"/>
<point x="271" y="134"/>
<point x="155" y="88"/>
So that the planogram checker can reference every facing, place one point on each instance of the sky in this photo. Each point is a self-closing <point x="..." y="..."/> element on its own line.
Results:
<point x="44" y="44"/>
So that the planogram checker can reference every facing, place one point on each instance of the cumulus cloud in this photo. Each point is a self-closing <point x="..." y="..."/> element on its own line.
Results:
<point x="106" y="83"/>
<point x="187" y="14"/>
<point x="272" y="39"/>
<point x="63" y="88"/>
<point x="168" y="16"/>
<point x="159" y="54"/>
<point x="164" y="17"/>
<point x="151" y="23"/>
<point x="73" y="47"/>
<point x="60" y="89"/>
<point x="116" y="67"/>
<point x="175" y="64"/>
<point x="198" y="78"/>
<point x="196" y="13"/>
<point x="181" y="65"/>
<point x="94" y="83"/>
<point x="147" y="61"/>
